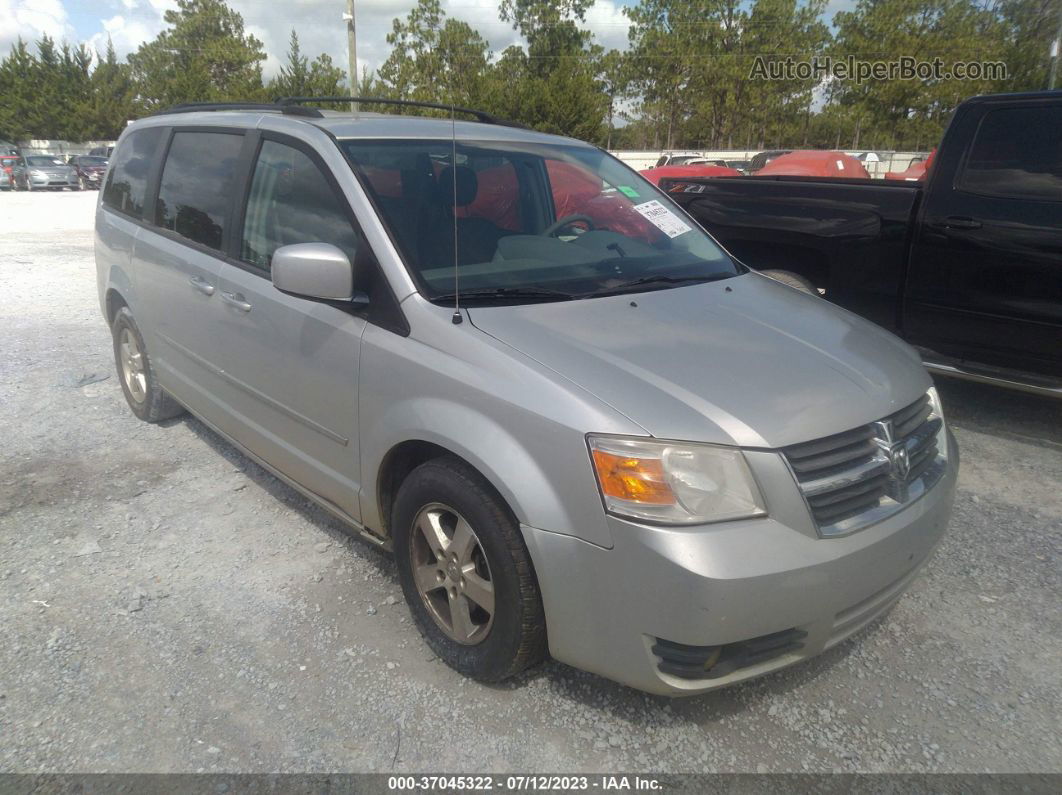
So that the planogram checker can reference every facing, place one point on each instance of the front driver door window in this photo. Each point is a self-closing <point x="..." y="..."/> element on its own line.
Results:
<point x="290" y="202"/>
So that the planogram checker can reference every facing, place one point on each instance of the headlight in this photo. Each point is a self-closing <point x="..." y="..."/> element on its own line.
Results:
<point x="36" y="173"/>
<point x="674" y="482"/>
<point x="934" y="403"/>
<point x="937" y="411"/>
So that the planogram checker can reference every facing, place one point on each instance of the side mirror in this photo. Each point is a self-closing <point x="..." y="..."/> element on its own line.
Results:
<point x="313" y="270"/>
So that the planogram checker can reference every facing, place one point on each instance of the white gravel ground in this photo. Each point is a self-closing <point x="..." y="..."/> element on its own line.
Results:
<point x="165" y="605"/>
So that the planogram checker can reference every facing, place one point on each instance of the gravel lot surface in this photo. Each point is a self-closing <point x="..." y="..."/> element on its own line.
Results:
<point x="165" y="605"/>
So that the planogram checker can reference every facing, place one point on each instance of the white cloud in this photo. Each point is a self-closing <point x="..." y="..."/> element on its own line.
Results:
<point x="32" y="19"/>
<point x="609" y="24"/>
<point x="126" y="33"/>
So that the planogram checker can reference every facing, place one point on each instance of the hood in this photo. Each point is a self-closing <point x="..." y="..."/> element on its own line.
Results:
<point x="743" y="361"/>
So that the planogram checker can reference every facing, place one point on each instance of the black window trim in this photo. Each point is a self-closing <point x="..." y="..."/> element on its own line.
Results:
<point x="240" y="213"/>
<point x="960" y="174"/>
<point x="387" y="314"/>
<point x="150" y="184"/>
<point x="152" y="220"/>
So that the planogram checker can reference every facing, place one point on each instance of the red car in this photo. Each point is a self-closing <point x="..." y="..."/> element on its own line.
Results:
<point x="916" y="172"/>
<point x="7" y="165"/>
<point x="654" y="175"/>
<point x="90" y="170"/>
<point x="814" y="163"/>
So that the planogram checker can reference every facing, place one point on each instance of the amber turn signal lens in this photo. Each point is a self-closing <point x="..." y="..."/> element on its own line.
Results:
<point x="634" y="479"/>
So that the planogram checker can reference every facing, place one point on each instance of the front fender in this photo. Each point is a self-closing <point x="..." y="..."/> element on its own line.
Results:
<point x="532" y="492"/>
<point x="521" y="426"/>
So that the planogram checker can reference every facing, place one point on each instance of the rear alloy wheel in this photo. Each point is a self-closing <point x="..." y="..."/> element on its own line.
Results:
<point x="149" y="401"/>
<point x="466" y="573"/>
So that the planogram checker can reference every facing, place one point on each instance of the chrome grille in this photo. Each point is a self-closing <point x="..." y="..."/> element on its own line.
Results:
<point x="857" y="477"/>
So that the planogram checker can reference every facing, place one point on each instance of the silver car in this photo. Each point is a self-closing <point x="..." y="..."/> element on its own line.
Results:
<point x="580" y="425"/>
<point x="44" y="172"/>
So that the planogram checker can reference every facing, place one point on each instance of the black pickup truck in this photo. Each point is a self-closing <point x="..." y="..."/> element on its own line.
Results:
<point x="967" y="267"/>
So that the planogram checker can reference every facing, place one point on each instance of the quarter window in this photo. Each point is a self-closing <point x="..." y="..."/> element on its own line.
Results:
<point x="127" y="181"/>
<point x="291" y="202"/>
<point x="197" y="184"/>
<point x="1017" y="153"/>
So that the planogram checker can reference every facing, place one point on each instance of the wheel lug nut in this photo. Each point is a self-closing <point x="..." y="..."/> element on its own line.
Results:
<point x="462" y="582"/>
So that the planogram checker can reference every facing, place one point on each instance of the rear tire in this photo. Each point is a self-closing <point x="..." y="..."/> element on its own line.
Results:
<point x="794" y="280"/>
<point x="148" y="401"/>
<point x="448" y="524"/>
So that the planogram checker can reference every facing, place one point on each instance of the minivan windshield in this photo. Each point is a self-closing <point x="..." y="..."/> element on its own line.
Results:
<point x="532" y="222"/>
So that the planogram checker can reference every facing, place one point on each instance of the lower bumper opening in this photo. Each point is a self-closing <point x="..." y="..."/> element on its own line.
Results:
<point x="714" y="662"/>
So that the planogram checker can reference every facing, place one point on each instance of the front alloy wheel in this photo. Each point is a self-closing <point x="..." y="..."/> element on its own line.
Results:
<point x="466" y="572"/>
<point x="452" y="574"/>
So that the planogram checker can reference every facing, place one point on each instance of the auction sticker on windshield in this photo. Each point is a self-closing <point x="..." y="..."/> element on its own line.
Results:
<point x="662" y="218"/>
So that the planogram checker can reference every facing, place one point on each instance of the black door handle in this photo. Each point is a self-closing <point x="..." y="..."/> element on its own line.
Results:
<point x="957" y="222"/>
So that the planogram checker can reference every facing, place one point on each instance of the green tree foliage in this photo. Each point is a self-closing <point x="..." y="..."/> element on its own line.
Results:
<point x="111" y="97"/>
<point x="20" y="109"/>
<point x="204" y="56"/>
<point x="555" y="85"/>
<point x="615" y="80"/>
<point x="1026" y="29"/>
<point x="897" y="113"/>
<point x="693" y="59"/>
<point x="435" y="59"/>
<point x="301" y="77"/>
<point x="684" y="82"/>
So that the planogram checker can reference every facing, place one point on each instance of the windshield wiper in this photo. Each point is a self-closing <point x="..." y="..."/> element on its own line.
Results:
<point x="649" y="281"/>
<point x="507" y="293"/>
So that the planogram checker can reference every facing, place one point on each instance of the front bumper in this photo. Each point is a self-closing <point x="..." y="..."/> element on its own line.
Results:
<point x="53" y="182"/>
<point x="724" y="584"/>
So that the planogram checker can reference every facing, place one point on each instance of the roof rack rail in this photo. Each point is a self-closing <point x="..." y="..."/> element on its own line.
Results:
<point x="481" y="115"/>
<point x="286" y="109"/>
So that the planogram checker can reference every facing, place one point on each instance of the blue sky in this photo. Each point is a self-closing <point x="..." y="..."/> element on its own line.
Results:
<point x="318" y="22"/>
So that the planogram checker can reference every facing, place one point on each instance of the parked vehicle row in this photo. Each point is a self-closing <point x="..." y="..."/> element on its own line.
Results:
<point x="808" y="163"/>
<point x="967" y="267"/>
<point x="51" y="172"/>
<point x="575" y="419"/>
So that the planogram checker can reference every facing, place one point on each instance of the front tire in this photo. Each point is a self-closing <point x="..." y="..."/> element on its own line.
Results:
<point x="466" y="572"/>
<point x="145" y="397"/>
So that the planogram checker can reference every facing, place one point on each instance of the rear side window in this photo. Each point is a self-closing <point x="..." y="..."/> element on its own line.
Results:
<point x="127" y="181"/>
<point x="1017" y="154"/>
<point x="197" y="185"/>
<point x="291" y="202"/>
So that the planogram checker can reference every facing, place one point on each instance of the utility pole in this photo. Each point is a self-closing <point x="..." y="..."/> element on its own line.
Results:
<point x="1055" y="54"/>
<point x="352" y="52"/>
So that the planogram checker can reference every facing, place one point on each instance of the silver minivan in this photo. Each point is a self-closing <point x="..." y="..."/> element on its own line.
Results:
<point x="581" y="426"/>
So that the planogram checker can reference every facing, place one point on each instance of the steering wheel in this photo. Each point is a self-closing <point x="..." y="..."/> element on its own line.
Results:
<point x="566" y="221"/>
